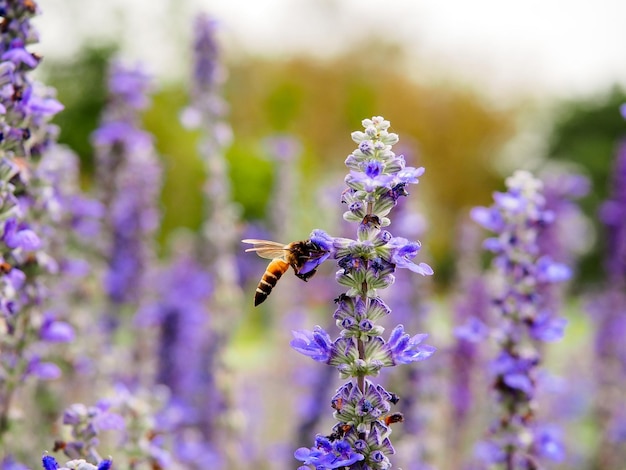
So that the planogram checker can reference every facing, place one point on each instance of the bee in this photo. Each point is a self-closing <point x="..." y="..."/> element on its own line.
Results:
<point x="303" y="256"/>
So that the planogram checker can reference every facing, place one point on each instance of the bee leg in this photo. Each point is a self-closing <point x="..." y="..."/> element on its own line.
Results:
<point x="306" y="276"/>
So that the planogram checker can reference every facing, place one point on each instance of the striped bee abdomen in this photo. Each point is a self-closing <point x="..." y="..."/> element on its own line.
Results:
<point x="273" y="273"/>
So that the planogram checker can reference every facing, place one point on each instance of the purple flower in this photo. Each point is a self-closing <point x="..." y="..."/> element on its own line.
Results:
<point x="322" y="239"/>
<point x="547" y="327"/>
<point x="370" y="179"/>
<point x="206" y="65"/>
<point x="376" y="179"/>
<point x="488" y="218"/>
<point x="548" y="443"/>
<point x="55" y="331"/>
<point x="130" y="176"/>
<point x="19" y="236"/>
<point x="489" y="451"/>
<point x="515" y="372"/>
<point x="9" y="463"/>
<point x="403" y="251"/>
<point x="408" y="175"/>
<point x="130" y="85"/>
<point x="319" y="251"/>
<point x="339" y="455"/>
<point x="519" y="217"/>
<point x="316" y="344"/>
<point x="406" y="349"/>
<point x="105" y="464"/>
<point x="550" y="271"/>
<point x="473" y="331"/>
<point x="49" y="462"/>
<point x="15" y="278"/>
<point x="42" y="370"/>
<point x="19" y="55"/>
<point x="42" y="105"/>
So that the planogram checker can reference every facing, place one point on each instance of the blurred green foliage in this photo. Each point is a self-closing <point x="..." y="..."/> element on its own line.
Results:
<point x="183" y="172"/>
<point x="586" y="131"/>
<point x="453" y="131"/>
<point x="81" y="87"/>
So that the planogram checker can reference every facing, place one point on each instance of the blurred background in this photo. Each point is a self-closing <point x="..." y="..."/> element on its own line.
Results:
<point x="475" y="90"/>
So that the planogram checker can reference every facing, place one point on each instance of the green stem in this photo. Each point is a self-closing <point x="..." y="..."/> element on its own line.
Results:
<point x="364" y="289"/>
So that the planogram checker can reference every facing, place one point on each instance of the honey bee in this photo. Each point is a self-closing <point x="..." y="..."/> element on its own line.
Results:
<point x="303" y="256"/>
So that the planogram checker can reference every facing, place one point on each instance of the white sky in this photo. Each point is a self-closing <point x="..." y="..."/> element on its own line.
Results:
<point x="555" y="47"/>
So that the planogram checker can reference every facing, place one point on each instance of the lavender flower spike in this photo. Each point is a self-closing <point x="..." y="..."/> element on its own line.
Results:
<point x="129" y="181"/>
<point x="26" y="231"/>
<point x="518" y="218"/>
<point x="360" y="438"/>
<point x="608" y="310"/>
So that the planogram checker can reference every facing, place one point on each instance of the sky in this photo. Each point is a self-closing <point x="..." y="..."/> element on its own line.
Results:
<point x="540" y="47"/>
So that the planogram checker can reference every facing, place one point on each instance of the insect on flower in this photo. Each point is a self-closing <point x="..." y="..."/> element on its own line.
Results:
<point x="303" y="256"/>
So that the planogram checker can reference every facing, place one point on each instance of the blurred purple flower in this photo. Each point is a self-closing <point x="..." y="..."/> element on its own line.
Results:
<point x="55" y="331"/>
<point x="18" y="55"/>
<point x="20" y="236"/>
<point x="42" y="370"/>
<point x="519" y="218"/>
<point x="548" y="443"/>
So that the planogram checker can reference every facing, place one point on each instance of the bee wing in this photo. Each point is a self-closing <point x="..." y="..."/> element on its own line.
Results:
<point x="266" y="249"/>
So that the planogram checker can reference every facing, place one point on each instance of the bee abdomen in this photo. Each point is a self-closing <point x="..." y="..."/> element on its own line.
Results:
<point x="273" y="273"/>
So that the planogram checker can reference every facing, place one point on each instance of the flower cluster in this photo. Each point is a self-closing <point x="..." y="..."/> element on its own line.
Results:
<point x="517" y="218"/>
<point x="26" y="107"/>
<point x="377" y="178"/>
<point x="129" y="182"/>
<point x="129" y="417"/>
<point x="216" y="247"/>
<point x="185" y="354"/>
<point x="86" y="424"/>
<point x="208" y="111"/>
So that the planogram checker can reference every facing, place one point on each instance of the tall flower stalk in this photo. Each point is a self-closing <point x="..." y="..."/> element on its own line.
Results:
<point x="128" y="186"/>
<point x="184" y="362"/>
<point x="207" y="113"/>
<point x="518" y="217"/>
<point x="608" y="311"/>
<point x="129" y="181"/>
<point x="216" y="249"/>
<point x="377" y="178"/>
<point x="26" y="107"/>
<point x="471" y="306"/>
